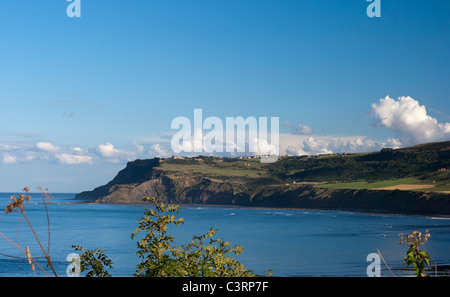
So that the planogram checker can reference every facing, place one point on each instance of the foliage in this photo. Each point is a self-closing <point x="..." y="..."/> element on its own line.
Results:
<point x="94" y="261"/>
<point x="156" y="246"/>
<point x="161" y="257"/>
<point x="414" y="255"/>
<point x="211" y="260"/>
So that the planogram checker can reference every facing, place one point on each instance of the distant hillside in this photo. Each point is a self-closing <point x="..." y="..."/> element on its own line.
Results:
<point x="420" y="161"/>
<point x="411" y="180"/>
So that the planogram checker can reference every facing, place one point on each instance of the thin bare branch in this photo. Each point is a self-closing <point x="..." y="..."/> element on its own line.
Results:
<point x="379" y="253"/>
<point x="23" y="251"/>
<point x="21" y="204"/>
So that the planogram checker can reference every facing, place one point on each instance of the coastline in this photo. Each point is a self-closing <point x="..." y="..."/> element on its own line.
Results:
<point x="291" y="182"/>
<point x="369" y="211"/>
<point x="360" y="211"/>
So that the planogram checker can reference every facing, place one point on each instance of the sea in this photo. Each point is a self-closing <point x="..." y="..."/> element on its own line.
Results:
<point x="290" y="242"/>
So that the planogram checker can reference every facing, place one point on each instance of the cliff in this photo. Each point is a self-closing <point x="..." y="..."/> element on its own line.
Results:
<point x="135" y="173"/>
<point x="289" y="183"/>
<point x="206" y="191"/>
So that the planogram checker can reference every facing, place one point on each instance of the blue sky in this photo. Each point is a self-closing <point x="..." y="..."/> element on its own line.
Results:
<point x="82" y="96"/>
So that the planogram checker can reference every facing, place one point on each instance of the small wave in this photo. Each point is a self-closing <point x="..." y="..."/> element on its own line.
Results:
<point x="438" y="218"/>
<point x="278" y="213"/>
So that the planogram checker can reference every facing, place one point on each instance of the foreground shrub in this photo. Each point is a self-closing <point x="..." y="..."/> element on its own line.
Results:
<point x="161" y="257"/>
<point x="414" y="255"/>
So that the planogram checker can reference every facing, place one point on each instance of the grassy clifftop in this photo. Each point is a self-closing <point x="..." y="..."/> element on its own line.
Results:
<point x="405" y="180"/>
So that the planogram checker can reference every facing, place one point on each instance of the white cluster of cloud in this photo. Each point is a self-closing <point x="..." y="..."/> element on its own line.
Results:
<point x="50" y="152"/>
<point x="47" y="146"/>
<point x="108" y="150"/>
<point x="225" y="142"/>
<point x="289" y="144"/>
<point x="73" y="159"/>
<point x="409" y="121"/>
<point x="314" y="145"/>
<point x="405" y="117"/>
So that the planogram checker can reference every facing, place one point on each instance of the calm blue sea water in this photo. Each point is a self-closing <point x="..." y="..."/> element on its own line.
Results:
<point x="291" y="242"/>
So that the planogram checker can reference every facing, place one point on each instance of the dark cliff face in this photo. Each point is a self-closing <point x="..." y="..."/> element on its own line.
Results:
<point x="381" y="201"/>
<point x="140" y="179"/>
<point x="135" y="172"/>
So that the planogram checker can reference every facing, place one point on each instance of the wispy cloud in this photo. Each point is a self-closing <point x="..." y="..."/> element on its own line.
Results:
<point x="8" y="147"/>
<point x="69" y="114"/>
<point x="109" y="151"/>
<point x="47" y="146"/>
<point x="9" y="159"/>
<point x="73" y="159"/>
<point x="299" y="129"/>
<point x="24" y="134"/>
<point x="157" y="150"/>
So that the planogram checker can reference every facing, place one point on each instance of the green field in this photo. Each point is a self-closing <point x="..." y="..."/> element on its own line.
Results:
<point x="369" y="185"/>
<point x="439" y="188"/>
<point x="244" y="168"/>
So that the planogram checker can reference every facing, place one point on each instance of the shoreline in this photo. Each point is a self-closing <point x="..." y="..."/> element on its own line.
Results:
<point x="380" y="212"/>
<point x="359" y="211"/>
